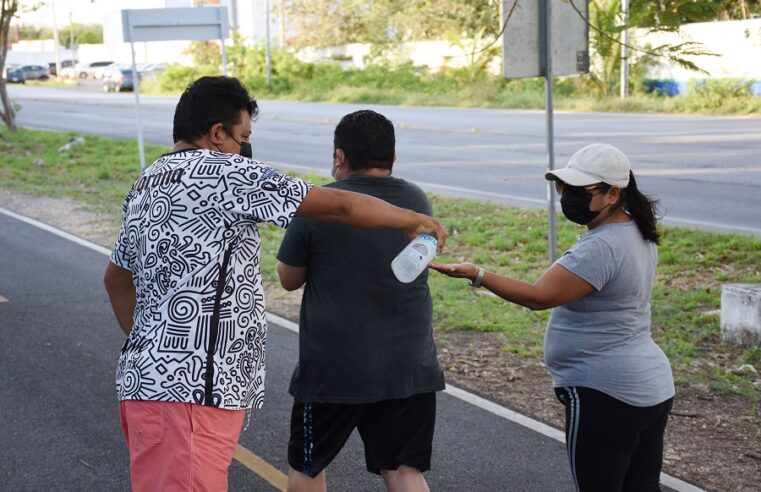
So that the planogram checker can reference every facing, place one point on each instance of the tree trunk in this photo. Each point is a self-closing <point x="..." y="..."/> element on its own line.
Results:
<point x="9" y="8"/>
<point x="8" y="114"/>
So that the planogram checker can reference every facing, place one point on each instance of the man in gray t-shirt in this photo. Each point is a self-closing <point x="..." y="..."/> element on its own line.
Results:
<point x="367" y="358"/>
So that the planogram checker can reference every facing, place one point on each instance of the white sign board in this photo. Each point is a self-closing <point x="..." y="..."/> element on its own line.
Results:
<point x="195" y="23"/>
<point x="524" y="37"/>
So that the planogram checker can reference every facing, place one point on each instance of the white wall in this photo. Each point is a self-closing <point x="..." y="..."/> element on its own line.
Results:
<point x="35" y="52"/>
<point x="433" y="54"/>
<point x="737" y="42"/>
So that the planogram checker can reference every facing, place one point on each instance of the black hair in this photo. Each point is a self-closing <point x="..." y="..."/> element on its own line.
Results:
<point x="643" y="209"/>
<point x="367" y="138"/>
<point x="208" y="101"/>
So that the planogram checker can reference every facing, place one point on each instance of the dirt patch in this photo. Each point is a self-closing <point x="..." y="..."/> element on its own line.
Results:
<point x="68" y="215"/>
<point x="713" y="438"/>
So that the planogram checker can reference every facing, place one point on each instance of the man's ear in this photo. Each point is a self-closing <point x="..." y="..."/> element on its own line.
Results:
<point x="341" y="160"/>
<point x="217" y="134"/>
<point x="394" y="159"/>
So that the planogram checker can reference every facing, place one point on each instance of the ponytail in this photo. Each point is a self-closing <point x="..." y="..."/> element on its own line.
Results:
<point x="642" y="209"/>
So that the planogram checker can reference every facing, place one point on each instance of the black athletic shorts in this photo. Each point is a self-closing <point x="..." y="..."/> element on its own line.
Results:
<point x="394" y="432"/>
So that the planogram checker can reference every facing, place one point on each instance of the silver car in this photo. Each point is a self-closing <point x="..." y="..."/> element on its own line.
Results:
<point x="35" y="72"/>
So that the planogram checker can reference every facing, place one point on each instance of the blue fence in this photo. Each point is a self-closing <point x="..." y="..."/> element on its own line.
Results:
<point x="673" y="88"/>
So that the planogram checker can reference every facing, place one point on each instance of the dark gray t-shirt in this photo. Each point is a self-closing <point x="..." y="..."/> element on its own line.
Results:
<point x="363" y="335"/>
<point x="602" y="341"/>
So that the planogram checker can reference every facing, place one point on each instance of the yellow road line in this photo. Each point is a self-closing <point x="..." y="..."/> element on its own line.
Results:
<point x="268" y="472"/>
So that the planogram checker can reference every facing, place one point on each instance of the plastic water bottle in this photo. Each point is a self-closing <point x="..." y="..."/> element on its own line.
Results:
<point x="414" y="258"/>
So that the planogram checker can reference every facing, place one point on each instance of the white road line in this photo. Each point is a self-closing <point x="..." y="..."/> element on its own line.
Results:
<point x="506" y="413"/>
<point x="426" y="186"/>
<point x="716" y="226"/>
<point x="482" y="403"/>
<point x="711" y="225"/>
<point x="3" y="299"/>
<point x="58" y="232"/>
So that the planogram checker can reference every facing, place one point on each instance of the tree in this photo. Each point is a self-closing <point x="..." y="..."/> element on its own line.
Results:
<point x="472" y="25"/>
<point x="82" y="33"/>
<point x="606" y="27"/>
<point x="8" y="9"/>
<point x="739" y="9"/>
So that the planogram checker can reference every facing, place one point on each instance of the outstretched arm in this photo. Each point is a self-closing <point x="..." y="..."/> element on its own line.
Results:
<point x="557" y="286"/>
<point x="359" y="210"/>
<point x="121" y="292"/>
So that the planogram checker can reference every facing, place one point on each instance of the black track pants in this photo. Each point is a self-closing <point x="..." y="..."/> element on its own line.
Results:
<point x="613" y="446"/>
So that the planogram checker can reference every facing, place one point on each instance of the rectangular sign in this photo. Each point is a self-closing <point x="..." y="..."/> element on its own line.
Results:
<point x="174" y="24"/>
<point x="524" y="37"/>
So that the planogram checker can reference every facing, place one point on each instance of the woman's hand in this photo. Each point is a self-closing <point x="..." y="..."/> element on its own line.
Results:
<point x="456" y="270"/>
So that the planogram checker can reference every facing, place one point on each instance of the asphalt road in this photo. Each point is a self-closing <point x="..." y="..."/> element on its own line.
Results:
<point x="705" y="170"/>
<point x="59" y="416"/>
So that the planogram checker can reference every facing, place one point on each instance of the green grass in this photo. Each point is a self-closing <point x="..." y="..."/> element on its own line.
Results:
<point x="509" y="241"/>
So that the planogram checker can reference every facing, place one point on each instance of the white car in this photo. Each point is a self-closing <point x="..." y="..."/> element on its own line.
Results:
<point x="92" y="70"/>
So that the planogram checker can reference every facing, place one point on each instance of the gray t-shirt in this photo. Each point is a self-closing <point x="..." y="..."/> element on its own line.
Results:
<point x="363" y="335"/>
<point x="602" y="341"/>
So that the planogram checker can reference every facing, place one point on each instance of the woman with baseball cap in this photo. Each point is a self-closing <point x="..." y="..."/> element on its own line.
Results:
<point x="614" y="381"/>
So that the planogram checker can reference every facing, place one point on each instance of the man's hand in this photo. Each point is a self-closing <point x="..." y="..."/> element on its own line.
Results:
<point x="121" y="292"/>
<point x="431" y="226"/>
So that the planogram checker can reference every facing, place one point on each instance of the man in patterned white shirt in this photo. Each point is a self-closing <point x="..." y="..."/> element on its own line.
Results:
<point x="185" y="287"/>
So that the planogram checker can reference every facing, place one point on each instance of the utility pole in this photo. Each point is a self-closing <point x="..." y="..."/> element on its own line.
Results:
<point x="234" y="14"/>
<point x="72" y="55"/>
<point x="625" y="50"/>
<point x="56" y="42"/>
<point x="269" y="56"/>
<point x="281" y="24"/>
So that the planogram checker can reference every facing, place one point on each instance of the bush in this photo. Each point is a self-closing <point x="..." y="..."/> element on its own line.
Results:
<point x="719" y="95"/>
<point x="407" y="84"/>
<point x="178" y="77"/>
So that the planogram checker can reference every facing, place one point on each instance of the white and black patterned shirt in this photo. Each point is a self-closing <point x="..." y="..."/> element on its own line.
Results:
<point x="189" y="238"/>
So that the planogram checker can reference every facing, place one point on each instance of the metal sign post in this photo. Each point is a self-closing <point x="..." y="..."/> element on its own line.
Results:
<point x="531" y="49"/>
<point x="547" y="14"/>
<point x="171" y="24"/>
<point x="136" y="90"/>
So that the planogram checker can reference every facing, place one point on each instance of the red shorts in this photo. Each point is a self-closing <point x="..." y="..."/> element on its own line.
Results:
<point x="179" y="446"/>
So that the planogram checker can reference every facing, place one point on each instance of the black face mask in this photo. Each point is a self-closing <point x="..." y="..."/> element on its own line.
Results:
<point x="246" y="150"/>
<point x="245" y="147"/>
<point x="575" y="204"/>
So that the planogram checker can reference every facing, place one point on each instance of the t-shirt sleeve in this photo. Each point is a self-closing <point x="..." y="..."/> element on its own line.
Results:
<point x="259" y="191"/>
<point x="425" y="206"/>
<point x="294" y="250"/>
<point x="592" y="260"/>
<point x="120" y="255"/>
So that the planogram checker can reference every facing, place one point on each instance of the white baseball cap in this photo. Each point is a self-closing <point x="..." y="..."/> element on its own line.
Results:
<point x="596" y="163"/>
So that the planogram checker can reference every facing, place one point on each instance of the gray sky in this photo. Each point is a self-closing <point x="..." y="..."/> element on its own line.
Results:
<point x="82" y="11"/>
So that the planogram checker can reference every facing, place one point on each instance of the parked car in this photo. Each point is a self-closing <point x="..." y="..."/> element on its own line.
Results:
<point x="92" y="70"/>
<point x="151" y="70"/>
<point x="64" y="65"/>
<point x="35" y="72"/>
<point x="13" y="75"/>
<point x="118" y="78"/>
